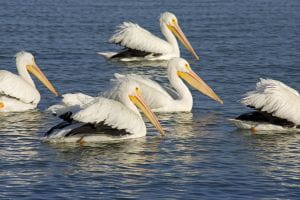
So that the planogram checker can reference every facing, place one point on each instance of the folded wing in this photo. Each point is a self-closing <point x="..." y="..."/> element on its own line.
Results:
<point x="71" y="102"/>
<point x="109" y="112"/>
<point x="13" y="86"/>
<point x="276" y="98"/>
<point x="132" y="36"/>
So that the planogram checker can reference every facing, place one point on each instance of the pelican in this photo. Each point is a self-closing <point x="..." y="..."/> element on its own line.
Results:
<point x="159" y="99"/>
<point x="140" y="44"/>
<point x="277" y="107"/>
<point x="18" y="92"/>
<point x="101" y="119"/>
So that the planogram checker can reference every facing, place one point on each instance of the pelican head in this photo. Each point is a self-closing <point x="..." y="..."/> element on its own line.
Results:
<point x="185" y="72"/>
<point x="170" y="21"/>
<point x="26" y="63"/>
<point x="130" y="90"/>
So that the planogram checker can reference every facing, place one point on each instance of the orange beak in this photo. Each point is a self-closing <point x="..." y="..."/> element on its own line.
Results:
<point x="140" y="103"/>
<point x="34" y="69"/>
<point x="176" y="30"/>
<point x="194" y="80"/>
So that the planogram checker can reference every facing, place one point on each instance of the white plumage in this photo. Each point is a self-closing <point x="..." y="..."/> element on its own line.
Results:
<point x="12" y="85"/>
<point x="119" y="114"/>
<point x="71" y="102"/>
<point x="159" y="99"/>
<point x="133" y="36"/>
<point x="154" y="94"/>
<point x="18" y="92"/>
<point x="143" y="45"/>
<point x="110" y="114"/>
<point x="275" y="98"/>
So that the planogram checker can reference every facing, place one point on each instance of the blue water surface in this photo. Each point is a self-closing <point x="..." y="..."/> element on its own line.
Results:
<point x="203" y="156"/>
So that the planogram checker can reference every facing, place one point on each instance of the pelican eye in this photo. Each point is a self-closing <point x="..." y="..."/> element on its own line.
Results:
<point x="136" y="89"/>
<point x="187" y="67"/>
<point x="174" y="21"/>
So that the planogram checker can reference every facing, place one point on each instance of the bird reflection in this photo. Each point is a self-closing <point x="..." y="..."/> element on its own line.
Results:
<point x="20" y="122"/>
<point x="153" y="72"/>
<point x="162" y="63"/>
<point x="187" y="124"/>
<point x="273" y="152"/>
<point x="99" y="157"/>
<point x="18" y="133"/>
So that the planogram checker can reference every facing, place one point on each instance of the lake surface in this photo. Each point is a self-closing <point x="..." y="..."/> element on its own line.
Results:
<point x="203" y="156"/>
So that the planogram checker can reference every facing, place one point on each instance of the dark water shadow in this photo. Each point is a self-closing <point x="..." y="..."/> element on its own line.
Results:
<point x="135" y="64"/>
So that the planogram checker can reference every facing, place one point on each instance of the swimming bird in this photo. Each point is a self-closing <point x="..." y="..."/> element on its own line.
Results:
<point x="102" y="119"/>
<point x="140" y="44"/>
<point x="159" y="99"/>
<point x="18" y="92"/>
<point x="277" y="107"/>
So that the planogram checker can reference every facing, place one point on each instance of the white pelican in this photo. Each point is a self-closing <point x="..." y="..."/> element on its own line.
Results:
<point x="18" y="92"/>
<point x="140" y="44"/>
<point x="277" y="108"/>
<point x="159" y="99"/>
<point x="104" y="119"/>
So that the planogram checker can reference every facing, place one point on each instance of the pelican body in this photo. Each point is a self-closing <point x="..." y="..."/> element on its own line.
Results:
<point x="88" y="119"/>
<point x="159" y="99"/>
<point x="140" y="44"/>
<point x="18" y="92"/>
<point x="277" y="108"/>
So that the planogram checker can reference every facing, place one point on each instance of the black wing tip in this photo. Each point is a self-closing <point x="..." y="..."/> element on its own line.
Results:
<point x="58" y="126"/>
<point x="128" y="52"/>
<point x="97" y="129"/>
<point x="66" y="116"/>
<point x="259" y="116"/>
<point x="67" y="121"/>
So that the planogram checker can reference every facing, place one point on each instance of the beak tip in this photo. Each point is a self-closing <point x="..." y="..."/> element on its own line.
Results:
<point x="219" y="100"/>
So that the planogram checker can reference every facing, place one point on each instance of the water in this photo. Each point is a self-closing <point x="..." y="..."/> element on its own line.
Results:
<point x="203" y="156"/>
